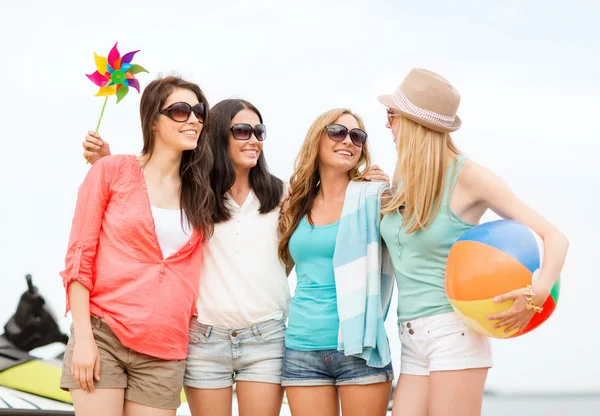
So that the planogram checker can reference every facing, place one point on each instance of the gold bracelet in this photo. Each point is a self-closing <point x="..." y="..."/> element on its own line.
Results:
<point x="530" y="302"/>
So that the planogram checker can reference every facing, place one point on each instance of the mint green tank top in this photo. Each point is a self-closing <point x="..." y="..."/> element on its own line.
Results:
<point x="419" y="258"/>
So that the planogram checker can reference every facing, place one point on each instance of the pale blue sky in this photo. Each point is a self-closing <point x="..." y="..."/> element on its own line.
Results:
<point x="527" y="72"/>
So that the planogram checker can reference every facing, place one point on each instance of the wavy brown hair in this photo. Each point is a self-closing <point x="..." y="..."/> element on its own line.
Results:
<point x="305" y="180"/>
<point x="196" y="198"/>
<point x="422" y="164"/>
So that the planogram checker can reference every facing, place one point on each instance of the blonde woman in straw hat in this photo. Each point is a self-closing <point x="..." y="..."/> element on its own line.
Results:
<point x="440" y="195"/>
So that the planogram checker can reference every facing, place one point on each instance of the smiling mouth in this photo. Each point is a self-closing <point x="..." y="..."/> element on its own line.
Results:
<point x="343" y="153"/>
<point x="190" y="133"/>
<point x="251" y="153"/>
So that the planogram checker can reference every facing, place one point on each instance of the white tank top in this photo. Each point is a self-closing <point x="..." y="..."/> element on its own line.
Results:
<point x="167" y="225"/>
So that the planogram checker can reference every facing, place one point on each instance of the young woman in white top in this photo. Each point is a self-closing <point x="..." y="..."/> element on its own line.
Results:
<point x="244" y="296"/>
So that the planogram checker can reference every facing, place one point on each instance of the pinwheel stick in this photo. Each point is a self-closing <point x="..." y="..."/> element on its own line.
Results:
<point x="98" y="126"/>
<point x="101" y="113"/>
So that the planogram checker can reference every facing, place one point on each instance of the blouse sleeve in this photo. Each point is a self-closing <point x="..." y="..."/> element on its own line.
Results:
<point x="92" y="199"/>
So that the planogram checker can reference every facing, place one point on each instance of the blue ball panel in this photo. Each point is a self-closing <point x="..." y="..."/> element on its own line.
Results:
<point x="509" y="236"/>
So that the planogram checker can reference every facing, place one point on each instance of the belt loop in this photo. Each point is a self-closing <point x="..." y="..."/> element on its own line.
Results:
<point x="256" y="331"/>
<point x="208" y="330"/>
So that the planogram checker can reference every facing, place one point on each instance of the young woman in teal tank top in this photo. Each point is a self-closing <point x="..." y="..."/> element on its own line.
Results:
<point x="315" y="373"/>
<point x="439" y="196"/>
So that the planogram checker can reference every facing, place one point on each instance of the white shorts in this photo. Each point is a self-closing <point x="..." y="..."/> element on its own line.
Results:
<point x="442" y="343"/>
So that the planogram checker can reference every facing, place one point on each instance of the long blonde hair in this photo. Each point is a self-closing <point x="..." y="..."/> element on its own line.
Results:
<point x="422" y="164"/>
<point x="305" y="180"/>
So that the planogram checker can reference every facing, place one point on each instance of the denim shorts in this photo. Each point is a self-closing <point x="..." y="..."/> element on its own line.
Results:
<point x="218" y="357"/>
<point x="330" y="368"/>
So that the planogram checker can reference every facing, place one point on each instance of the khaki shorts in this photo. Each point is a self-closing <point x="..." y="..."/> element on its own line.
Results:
<point x="147" y="380"/>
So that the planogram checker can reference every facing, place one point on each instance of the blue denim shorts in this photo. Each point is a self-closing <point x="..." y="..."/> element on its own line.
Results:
<point x="330" y="368"/>
<point x="218" y="357"/>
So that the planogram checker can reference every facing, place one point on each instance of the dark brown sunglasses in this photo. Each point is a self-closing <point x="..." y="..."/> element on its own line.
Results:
<point x="180" y="112"/>
<point x="243" y="131"/>
<point x="338" y="133"/>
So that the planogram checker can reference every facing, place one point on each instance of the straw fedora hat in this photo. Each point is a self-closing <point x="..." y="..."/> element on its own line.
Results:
<point x="426" y="98"/>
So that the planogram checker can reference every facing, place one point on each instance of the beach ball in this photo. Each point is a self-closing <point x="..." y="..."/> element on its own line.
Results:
<point x="489" y="260"/>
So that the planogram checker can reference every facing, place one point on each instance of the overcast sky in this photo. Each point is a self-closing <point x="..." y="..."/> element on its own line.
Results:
<point x="527" y="72"/>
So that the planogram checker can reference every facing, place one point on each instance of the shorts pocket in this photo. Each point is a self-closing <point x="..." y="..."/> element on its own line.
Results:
<point x="196" y="332"/>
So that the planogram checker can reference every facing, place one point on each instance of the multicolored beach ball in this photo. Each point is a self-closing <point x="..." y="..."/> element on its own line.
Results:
<point x="489" y="260"/>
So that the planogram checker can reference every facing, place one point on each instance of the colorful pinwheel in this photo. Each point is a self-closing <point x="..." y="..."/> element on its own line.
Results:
<point x="114" y="75"/>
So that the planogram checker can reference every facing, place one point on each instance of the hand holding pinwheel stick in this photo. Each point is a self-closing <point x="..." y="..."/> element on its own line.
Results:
<point x="114" y="75"/>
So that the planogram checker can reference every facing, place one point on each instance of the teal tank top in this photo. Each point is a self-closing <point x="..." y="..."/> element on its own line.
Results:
<point x="419" y="258"/>
<point x="313" y="317"/>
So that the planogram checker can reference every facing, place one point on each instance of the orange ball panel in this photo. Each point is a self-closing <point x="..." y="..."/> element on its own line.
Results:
<point x="476" y="271"/>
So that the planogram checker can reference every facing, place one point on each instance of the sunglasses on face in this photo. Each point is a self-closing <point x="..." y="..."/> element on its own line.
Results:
<point x="390" y="115"/>
<point x="338" y="133"/>
<point x="243" y="131"/>
<point x="180" y="112"/>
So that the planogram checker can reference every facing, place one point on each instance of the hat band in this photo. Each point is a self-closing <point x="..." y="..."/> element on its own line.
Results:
<point x="407" y="106"/>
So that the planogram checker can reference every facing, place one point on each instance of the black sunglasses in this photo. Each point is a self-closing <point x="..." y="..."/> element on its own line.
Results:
<point x="180" y="112"/>
<point x="243" y="131"/>
<point x="338" y="133"/>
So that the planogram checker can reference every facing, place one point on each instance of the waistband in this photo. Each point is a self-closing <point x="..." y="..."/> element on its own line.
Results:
<point x="254" y="331"/>
<point x="426" y="322"/>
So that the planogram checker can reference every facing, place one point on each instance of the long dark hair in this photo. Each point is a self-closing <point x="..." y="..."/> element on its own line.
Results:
<point x="196" y="198"/>
<point x="268" y="188"/>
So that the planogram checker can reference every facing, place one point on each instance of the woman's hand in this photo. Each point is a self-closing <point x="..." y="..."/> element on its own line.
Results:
<point x="285" y="199"/>
<point x="94" y="147"/>
<point x="518" y="317"/>
<point x="376" y="174"/>
<point x="85" y="365"/>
